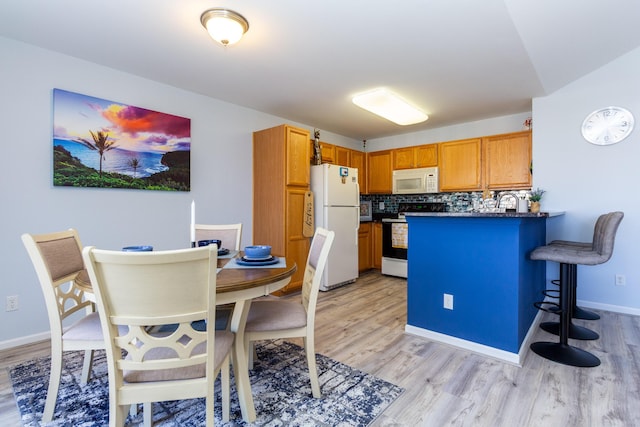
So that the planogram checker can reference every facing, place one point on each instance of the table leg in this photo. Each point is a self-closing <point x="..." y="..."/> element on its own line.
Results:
<point x="240" y="362"/>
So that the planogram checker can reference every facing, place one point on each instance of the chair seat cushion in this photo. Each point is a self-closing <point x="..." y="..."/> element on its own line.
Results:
<point x="224" y="341"/>
<point x="568" y="255"/>
<point x="270" y="315"/>
<point x="86" y="329"/>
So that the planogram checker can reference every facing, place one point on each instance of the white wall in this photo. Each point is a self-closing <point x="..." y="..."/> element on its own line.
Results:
<point x="587" y="180"/>
<point x="221" y="171"/>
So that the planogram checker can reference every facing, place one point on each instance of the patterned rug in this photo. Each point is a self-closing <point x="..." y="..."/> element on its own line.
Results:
<point x="279" y="381"/>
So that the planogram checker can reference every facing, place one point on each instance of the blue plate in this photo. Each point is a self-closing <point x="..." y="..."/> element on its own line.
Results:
<point x="241" y="261"/>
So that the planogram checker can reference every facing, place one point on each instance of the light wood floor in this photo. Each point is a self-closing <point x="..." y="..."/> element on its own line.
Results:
<point x="362" y="325"/>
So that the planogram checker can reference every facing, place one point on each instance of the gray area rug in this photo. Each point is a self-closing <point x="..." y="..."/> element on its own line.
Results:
<point x="279" y="381"/>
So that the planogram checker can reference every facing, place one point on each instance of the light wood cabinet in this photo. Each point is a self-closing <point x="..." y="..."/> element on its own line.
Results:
<point x="281" y="174"/>
<point x="379" y="172"/>
<point x="343" y="156"/>
<point x="420" y="156"/>
<point x="460" y="165"/>
<point x="358" y="161"/>
<point x="327" y="152"/>
<point x="507" y="161"/>
<point x="377" y="245"/>
<point x="365" y="247"/>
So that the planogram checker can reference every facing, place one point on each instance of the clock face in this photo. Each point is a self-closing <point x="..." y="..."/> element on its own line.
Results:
<point x="607" y="125"/>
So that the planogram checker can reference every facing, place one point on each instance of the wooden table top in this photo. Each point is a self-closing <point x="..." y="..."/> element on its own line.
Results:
<point x="228" y="279"/>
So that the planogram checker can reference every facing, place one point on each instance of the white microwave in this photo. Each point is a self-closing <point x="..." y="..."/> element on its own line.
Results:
<point x="415" y="181"/>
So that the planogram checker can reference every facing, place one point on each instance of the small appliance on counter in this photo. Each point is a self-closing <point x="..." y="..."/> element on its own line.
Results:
<point x="395" y="237"/>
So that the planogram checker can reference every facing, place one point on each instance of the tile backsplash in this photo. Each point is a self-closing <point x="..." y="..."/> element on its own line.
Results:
<point x="455" y="202"/>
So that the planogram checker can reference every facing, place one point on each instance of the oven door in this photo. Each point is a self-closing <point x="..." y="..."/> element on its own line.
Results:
<point x="394" y="239"/>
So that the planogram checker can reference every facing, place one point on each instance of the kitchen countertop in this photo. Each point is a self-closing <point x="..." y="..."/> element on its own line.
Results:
<point x="487" y="214"/>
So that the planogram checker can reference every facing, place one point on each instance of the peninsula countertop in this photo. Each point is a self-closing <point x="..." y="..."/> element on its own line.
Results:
<point x="487" y="214"/>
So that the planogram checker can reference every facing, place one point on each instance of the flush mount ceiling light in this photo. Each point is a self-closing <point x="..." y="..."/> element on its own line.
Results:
<point x="224" y="26"/>
<point x="390" y="106"/>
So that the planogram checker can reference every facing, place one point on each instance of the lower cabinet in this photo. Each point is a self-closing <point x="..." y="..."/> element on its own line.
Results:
<point x="377" y="245"/>
<point x="365" y="247"/>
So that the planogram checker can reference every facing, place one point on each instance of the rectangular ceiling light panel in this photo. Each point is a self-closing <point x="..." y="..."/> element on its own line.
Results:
<point x="390" y="106"/>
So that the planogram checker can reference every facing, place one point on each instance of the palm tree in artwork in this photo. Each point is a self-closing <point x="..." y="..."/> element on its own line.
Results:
<point x="134" y="163"/>
<point x="101" y="143"/>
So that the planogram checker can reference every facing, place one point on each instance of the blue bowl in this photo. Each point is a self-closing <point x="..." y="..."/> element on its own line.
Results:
<point x="143" y="248"/>
<point x="257" y="251"/>
<point x="210" y="242"/>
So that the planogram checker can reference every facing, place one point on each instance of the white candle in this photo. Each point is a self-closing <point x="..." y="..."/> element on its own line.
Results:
<point x="193" y="220"/>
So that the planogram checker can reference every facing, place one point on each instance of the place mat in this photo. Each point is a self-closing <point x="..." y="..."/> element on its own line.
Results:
<point x="282" y="263"/>
<point x="231" y="254"/>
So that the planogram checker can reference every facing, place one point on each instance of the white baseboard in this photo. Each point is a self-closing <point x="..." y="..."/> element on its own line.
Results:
<point x="505" y="356"/>
<point x="609" y="307"/>
<point x="29" y="339"/>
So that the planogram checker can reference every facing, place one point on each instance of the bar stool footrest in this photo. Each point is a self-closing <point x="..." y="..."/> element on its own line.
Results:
<point x="554" y="309"/>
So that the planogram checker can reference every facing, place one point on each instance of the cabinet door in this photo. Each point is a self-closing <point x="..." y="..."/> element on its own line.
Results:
<point x="297" y="152"/>
<point x="507" y="161"/>
<point x="343" y="156"/>
<point x="358" y="162"/>
<point x="460" y="166"/>
<point x="379" y="172"/>
<point x="365" y="247"/>
<point x="426" y="155"/>
<point x="377" y="245"/>
<point x="297" y="246"/>
<point x="404" y="158"/>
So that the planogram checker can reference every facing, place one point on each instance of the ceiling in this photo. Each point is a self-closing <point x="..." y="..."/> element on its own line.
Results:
<point x="457" y="60"/>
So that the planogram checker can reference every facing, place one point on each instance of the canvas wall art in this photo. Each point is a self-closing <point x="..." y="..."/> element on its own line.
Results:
<point x="101" y="143"/>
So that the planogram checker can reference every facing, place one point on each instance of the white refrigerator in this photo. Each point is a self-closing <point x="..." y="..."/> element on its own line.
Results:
<point x="336" y="200"/>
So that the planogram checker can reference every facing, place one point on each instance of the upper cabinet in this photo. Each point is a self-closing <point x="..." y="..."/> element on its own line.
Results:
<point x="342" y="156"/>
<point x="421" y="156"/>
<point x="507" y="161"/>
<point x="460" y="165"/>
<point x="379" y="172"/>
<point x="328" y="152"/>
<point x="358" y="160"/>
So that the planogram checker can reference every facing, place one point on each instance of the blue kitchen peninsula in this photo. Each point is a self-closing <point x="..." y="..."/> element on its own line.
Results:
<point x="478" y="264"/>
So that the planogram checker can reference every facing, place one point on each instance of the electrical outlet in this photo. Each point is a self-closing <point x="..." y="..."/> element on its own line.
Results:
<point x="381" y="206"/>
<point x="621" y="280"/>
<point x="448" y="301"/>
<point x="12" y="303"/>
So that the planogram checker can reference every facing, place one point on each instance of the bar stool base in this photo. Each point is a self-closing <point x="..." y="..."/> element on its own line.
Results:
<point x="575" y="332"/>
<point x="565" y="354"/>
<point x="581" y="313"/>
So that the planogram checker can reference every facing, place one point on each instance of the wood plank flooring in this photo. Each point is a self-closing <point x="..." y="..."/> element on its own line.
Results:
<point x="362" y="325"/>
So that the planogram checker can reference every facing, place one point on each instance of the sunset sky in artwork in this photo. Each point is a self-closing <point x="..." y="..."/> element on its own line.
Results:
<point x="133" y="128"/>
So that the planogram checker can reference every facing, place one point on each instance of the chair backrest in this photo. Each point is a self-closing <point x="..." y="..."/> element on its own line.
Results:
<point x="605" y="234"/>
<point x="229" y="234"/>
<point x="316" y="261"/>
<point x="57" y="259"/>
<point x="143" y="290"/>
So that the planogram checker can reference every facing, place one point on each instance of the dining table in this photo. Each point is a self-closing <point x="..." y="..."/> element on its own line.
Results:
<point x="237" y="285"/>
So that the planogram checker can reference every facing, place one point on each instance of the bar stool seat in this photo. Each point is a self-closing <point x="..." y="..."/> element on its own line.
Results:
<point x="569" y="257"/>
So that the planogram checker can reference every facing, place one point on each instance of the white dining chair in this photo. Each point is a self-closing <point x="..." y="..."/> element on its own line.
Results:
<point x="274" y="319"/>
<point x="57" y="259"/>
<point x="229" y="234"/>
<point x="143" y="291"/>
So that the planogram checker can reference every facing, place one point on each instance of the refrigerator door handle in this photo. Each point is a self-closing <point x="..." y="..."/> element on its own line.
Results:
<point x="358" y="224"/>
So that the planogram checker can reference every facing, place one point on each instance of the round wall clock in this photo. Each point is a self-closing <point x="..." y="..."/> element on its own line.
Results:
<point x="607" y="125"/>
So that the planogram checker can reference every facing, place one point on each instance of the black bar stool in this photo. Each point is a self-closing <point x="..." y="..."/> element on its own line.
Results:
<point x="569" y="257"/>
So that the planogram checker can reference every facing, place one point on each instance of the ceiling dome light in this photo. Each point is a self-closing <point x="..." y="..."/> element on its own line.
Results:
<point x="390" y="106"/>
<point x="224" y="26"/>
